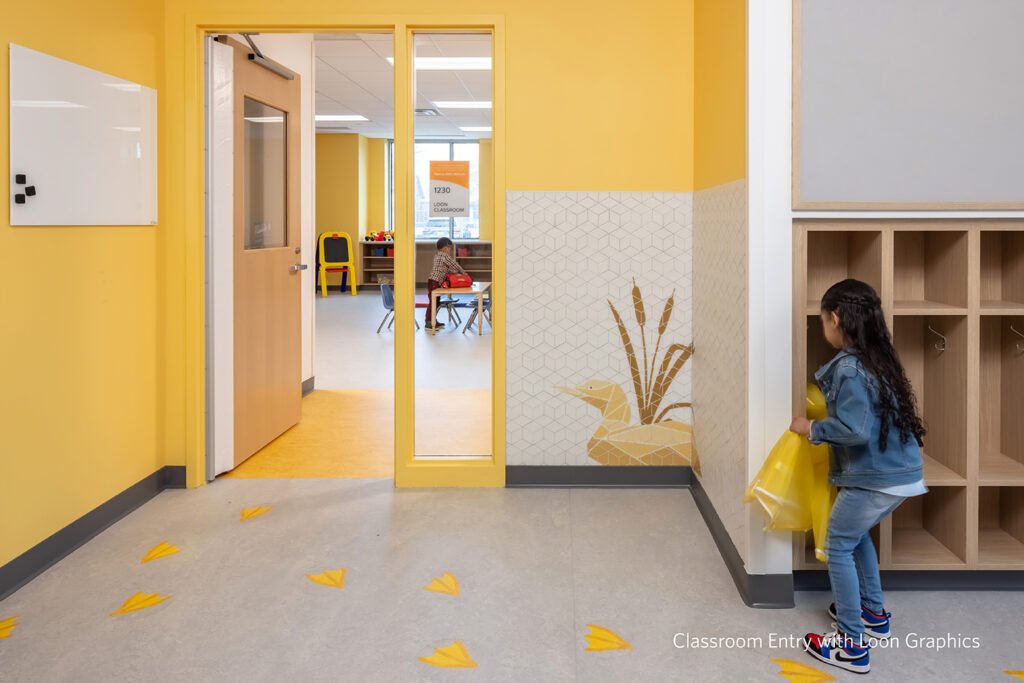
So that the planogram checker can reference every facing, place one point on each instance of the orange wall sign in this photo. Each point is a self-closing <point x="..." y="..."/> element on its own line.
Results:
<point x="449" y="188"/>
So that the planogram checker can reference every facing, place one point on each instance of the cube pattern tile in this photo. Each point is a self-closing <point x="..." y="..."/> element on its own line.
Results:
<point x="568" y="255"/>
<point x="720" y="335"/>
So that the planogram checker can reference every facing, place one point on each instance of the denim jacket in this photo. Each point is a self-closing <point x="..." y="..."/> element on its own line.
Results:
<point x="852" y="429"/>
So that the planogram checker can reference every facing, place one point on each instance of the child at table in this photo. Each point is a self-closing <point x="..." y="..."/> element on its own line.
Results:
<point x="444" y="265"/>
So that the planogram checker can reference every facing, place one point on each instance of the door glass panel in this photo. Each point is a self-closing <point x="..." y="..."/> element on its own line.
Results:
<point x="452" y="165"/>
<point x="266" y="165"/>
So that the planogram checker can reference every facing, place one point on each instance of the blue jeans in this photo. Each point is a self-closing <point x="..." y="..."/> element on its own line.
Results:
<point x="852" y="562"/>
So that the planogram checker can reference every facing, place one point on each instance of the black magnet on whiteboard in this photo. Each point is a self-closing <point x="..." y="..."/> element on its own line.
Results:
<point x="19" y="179"/>
<point x="30" y="191"/>
<point x="19" y="199"/>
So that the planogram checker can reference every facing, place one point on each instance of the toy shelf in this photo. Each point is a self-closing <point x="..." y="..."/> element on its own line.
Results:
<point x="1001" y="457"/>
<point x="930" y="531"/>
<point x="964" y="280"/>
<point x="1001" y="526"/>
<point x="477" y="260"/>
<point x="929" y="272"/>
<point x="1002" y="272"/>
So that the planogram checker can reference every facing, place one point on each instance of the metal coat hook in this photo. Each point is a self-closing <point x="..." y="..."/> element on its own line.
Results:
<point x="941" y="346"/>
<point x="1020" y="346"/>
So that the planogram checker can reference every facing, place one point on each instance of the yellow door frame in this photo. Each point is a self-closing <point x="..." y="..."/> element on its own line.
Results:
<point x="183" y="104"/>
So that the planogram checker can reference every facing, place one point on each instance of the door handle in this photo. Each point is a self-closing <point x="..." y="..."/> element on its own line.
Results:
<point x="299" y="266"/>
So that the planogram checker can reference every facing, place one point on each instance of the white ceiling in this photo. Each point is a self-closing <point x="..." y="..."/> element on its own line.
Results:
<point x="353" y="76"/>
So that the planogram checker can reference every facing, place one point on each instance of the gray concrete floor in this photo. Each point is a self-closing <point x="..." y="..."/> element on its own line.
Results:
<point x="349" y="354"/>
<point x="535" y="567"/>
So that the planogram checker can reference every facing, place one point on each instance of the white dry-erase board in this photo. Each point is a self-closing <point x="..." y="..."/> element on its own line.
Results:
<point x="83" y="145"/>
<point x="908" y="104"/>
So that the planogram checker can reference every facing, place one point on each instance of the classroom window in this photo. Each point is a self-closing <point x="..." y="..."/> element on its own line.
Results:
<point x="457" y="228"/>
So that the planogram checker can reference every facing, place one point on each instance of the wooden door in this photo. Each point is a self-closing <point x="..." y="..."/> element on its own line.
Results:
<point x="268" y="351"/>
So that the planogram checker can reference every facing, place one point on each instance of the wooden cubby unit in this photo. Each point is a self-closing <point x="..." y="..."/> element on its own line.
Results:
<point x="836" y="255"/>
<point x="965" y="280"/>
<point x="1002" y="272"/>
<point x="939" y="379"/>
<point x="1001" y="393"/>
<point x="930" y="531"/>
<point x="1001" y="526"/>
<point x="929" y="271"/>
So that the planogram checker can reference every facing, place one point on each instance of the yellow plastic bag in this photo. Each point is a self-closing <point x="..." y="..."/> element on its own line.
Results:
<point x="792" y="487"/>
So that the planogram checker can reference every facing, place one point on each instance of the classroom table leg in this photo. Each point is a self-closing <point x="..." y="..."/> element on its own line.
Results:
<point x="480" y="313"/>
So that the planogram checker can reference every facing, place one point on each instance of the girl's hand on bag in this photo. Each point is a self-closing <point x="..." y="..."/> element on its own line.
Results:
<point x="800" y="425"/>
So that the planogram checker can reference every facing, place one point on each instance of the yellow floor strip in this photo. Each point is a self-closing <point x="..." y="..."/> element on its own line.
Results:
<point x="350" y="434"/>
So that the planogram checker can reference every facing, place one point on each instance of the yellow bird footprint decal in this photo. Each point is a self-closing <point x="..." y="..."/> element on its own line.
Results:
<point x="249" y="513"/>
<point x="162" y="550"/>
<point x="139" y="601"/>
<point x="447" y="584"/>
<point x="332" y="578"/>
<point x="452" y="657"/>
<point x="8" y="625"/>
<point x="601" y="639"/>
<point x="797" y="672"/>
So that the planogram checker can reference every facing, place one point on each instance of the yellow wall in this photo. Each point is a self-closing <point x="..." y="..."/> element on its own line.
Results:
<point x="600" y="94"/>
<point x="486" y="191"/>
<point x="376" y="178"/>
<point x="81" y="351"/>
<point x="341" y="187"/>
<point x="720" y="82"/>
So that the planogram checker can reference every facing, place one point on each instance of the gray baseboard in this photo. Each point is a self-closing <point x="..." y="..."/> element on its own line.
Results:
<point x="307" y="386"/>
<point x="765" y="591"/>
<point x="593" y="476"/>
<point x="939" y="580"/>
<point x="48" y="552"/>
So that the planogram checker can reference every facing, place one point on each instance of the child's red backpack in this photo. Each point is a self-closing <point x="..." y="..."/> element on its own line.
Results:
<point x="459" y="280"/>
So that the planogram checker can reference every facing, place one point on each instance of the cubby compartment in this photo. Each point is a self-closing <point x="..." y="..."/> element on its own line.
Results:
<point x="837" y="255"/>
<point x="809" y="561"/>
<point x="933" y="350"/>
<point x="1001" y="525"/>
<point x="1002" y="271"/>
<point x="1001" y="456"/>
<point x="929" y="271"/>
<point x="819" y="351"/>
<point x="931" y="530"/>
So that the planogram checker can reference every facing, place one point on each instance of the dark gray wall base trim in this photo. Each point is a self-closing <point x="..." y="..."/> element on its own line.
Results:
<point x="307" y="385"/>
<point x="939" y="580"/>
<point x="41" y="557"/>
<point x="764" y="591"/>
<point x="627" y="476"/>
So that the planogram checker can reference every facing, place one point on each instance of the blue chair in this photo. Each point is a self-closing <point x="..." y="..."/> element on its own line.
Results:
<point x="472" y="318"/>
<point x="387" y="297"/>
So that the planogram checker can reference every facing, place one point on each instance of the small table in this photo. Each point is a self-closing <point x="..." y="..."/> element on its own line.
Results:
<point x="477" y="289"/>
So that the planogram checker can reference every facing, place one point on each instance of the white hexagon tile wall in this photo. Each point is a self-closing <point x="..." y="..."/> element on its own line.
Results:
<point x="574" y="396"/>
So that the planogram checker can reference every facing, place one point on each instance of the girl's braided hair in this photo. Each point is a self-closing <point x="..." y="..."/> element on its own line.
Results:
<point x="864" y="331"/>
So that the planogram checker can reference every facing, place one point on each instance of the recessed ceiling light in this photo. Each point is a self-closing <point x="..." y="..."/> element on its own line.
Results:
<point x="450" y="63"/>
<point x="462" y="105"/>
<point x="340" y="117"/>
<point x="476" y="129"/>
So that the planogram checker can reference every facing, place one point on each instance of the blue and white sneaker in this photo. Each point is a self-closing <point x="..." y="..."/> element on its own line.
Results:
<point x="838" y="650"/>
<point x="875" y="625"/>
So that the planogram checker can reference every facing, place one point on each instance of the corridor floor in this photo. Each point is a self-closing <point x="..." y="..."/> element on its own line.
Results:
<point x="534" y="567"/>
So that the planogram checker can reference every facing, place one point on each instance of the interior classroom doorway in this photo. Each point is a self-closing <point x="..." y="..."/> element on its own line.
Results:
<point x="348" y="244"/>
